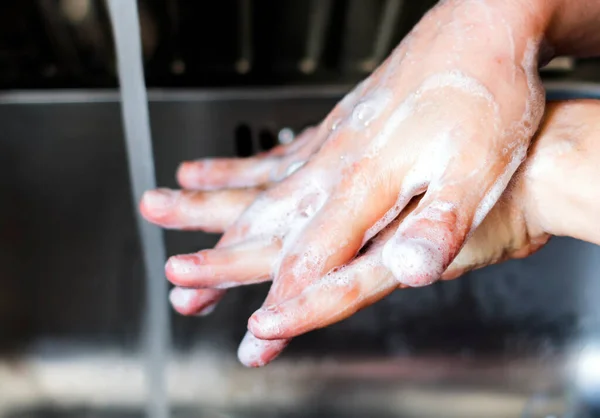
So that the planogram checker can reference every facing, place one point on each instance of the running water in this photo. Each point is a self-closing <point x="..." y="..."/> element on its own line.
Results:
<point x="134" y="108"/>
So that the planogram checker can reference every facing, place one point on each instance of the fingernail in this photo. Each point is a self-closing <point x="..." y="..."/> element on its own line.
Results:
<point x="159" y="201"/>
<point x="181" y="264"/>
<point x="414" y="262"/>
<point x="181" y="298"/>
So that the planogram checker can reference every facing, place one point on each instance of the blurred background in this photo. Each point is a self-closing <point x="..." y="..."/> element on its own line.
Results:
<point x="234" y="77"/>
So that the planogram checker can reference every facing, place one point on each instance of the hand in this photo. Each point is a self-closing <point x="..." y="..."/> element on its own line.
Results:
<point x="215" y="212"/>
<point x="537" y="203"/>
<point x="451" y="112"/>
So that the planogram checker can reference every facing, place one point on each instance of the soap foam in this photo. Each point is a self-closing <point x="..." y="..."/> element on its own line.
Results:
<point x="349" y="100"/>
<point x="414" y="262"/>
<point x="449" y="79"/>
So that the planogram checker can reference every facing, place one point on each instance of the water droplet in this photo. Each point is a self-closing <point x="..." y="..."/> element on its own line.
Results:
<point x="363" y="113"/>
<point x="336" y="124"/>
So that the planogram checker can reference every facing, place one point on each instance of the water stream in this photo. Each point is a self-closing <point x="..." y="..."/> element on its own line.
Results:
<point x="134" y="108"/>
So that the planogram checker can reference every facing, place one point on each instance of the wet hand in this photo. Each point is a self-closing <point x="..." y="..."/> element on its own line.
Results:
<point x="450" y="113"/>
<point x="549" y="196"/>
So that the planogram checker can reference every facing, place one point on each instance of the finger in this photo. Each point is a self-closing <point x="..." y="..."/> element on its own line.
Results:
<point x="429" y="239"/>
<point x="191" y="210"/>
<point x="225" y="267"/>
<point x="199" y="302"/>
<point x="211" y="174"/>
<point x="336" y="296"/>
<point x="218" y="173"/>
<point x="255" y="352"/>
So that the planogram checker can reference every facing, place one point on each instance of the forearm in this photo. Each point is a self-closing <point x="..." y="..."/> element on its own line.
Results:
<point x="561" y="177"/>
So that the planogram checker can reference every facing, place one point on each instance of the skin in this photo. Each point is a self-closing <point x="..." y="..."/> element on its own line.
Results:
<point x="449" y="117"/>
<point x="548" y="196"/>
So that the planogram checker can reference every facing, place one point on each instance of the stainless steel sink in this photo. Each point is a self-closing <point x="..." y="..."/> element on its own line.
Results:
<point x="513" y="340"/>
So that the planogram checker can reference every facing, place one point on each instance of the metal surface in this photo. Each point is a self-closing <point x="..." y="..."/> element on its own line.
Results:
<point x="513" y="340"/>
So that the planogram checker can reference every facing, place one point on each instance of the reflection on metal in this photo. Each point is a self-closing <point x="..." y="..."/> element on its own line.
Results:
<point x="545" y="405"/>
<point x="320" y="11"/>
<point x="587" y="371"/>
<point x="561" y="64"/>
<point x="76" y="10"/>
<point x="62" y="42"/>
<point x="390" y="15"/>
<point x="285" y="136"/>
<point x="244" y="62"/>
<point x="177" y="64"/>
<point x="203" y="379"/>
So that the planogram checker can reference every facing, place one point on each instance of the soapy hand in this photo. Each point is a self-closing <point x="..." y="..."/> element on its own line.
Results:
<point x="449" y="114"/>
<point x="534" y="206"/>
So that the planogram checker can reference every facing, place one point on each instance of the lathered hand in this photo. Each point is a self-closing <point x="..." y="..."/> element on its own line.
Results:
<point x="549" y="196"/>
<point x="450" y="113"/>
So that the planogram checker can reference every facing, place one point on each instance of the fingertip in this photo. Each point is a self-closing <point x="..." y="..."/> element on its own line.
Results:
<point x="181" y="299"/>
<point x="414" y="262"/>
<point x="254" y="352"/>
<point x="250" y="351"/>
<point x="158" y="203"/>
<point x="186" y="174"/>
<point x="178" y="268"/>
<point x="195" y="302"/>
